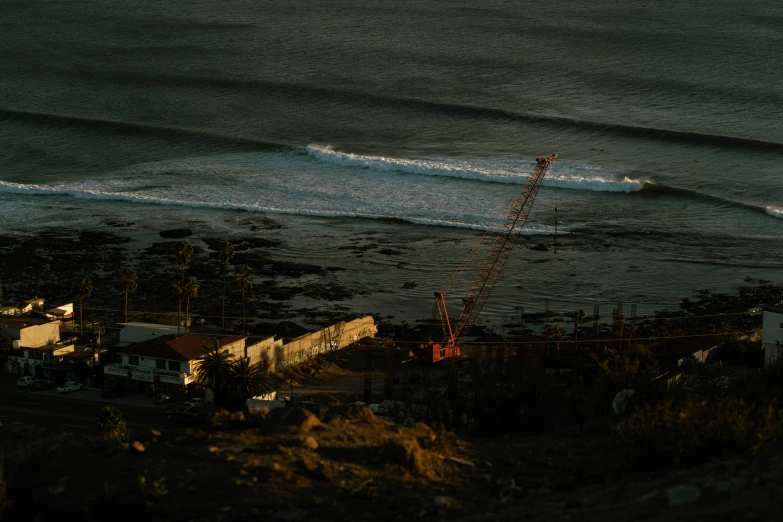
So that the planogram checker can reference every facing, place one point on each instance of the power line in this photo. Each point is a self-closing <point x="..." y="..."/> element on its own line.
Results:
<point x="426" y="323"/>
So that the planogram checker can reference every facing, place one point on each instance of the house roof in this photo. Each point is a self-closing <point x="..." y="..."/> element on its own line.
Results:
<point x="22" y="321"/>
<point x="174" y="348"/>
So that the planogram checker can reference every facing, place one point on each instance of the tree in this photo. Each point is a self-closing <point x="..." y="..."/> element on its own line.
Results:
<point x="111" y="423"/>
<point x="246" y="380"/>
<point x="213" y="368"/>
<point x="226" y="253"/>
<point x="127" y="282"/>
<point x="184" y="254"/>
<point x="178" y="289"/>
<point x="190" y="291"/>
<point x="244" y="278"/>
<point x="84" y="289"/>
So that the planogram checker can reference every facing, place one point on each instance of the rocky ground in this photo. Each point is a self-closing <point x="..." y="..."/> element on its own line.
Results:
<point x="352" y="466"/>
<point x="51" y="264"/>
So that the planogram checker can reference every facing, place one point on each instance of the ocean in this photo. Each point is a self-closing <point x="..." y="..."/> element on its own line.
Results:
<point x="411" y="125"/>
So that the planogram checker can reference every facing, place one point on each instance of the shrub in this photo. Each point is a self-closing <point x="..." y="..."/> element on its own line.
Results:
<point x="694" y="429"/>
<point x="111" y="423"/>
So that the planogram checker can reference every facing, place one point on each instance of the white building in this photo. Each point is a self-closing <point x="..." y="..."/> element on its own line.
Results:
<point x="166" y="363"/>
<point x="772" y="340"/>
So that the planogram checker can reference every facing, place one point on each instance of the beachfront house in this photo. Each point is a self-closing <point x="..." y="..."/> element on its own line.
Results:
<point x="772" y="338"/>
<point x="166" y="363"/>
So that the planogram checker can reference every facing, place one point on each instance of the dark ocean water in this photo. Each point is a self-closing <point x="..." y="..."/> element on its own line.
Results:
<point x="667" y="117"/>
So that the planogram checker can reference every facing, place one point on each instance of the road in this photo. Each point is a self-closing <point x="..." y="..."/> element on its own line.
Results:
<point x="66" y="412"/>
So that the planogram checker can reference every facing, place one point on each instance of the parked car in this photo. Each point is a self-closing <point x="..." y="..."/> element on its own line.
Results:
<point x="196" y="402"/>
<point x="162" y="398"/>
<point x="26" y="381"/>
<point x="44" y="384"/>
<point x="68" y="387"/>
<point x="185" y="415"/>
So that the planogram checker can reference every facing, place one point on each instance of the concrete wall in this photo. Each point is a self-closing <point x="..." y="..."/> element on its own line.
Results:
<point x="39" y="335"/>
<point x="264" y="351"/>
<point x="335" y="337"/>
<point x="773" y="336"/>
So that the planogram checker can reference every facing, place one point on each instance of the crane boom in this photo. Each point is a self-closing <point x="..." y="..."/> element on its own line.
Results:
<point x="489" y="273"/>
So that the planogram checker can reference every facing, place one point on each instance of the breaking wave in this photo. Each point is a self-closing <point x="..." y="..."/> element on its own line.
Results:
<point x="563" y="174"/>
<point x="95" y="194"/>
<point x="775" y="212"/>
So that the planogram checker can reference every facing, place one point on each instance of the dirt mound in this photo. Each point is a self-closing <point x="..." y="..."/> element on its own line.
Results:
<point x="406" y="452"/>
<point x="292" y="420"/>
<point x="350" y="412"/>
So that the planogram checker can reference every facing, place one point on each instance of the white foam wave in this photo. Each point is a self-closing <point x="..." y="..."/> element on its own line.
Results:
<point x="102" y="194"/>
<point x="775" y="212"/>
<point x="564" y="174"/>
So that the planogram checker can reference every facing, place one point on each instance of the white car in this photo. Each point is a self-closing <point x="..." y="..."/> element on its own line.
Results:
<point x="26" y="381"/>
<point x="68" y="387"/>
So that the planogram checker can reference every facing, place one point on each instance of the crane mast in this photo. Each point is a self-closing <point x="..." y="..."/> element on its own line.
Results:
<point x="489" y="273"/>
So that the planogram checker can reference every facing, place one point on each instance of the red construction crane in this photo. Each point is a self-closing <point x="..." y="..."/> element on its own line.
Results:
<point x="490" y="271"/>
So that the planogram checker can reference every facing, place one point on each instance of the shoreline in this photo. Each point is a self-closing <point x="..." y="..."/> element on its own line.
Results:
<point x="322" y="270"/>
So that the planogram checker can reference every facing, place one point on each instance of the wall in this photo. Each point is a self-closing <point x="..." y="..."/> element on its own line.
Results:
<point x="237" y="348"/>
<point x="39" y="335"/>
<point x="773" y="336"/>
<point x="264" y="350"/>
<point x="335" y="337"/>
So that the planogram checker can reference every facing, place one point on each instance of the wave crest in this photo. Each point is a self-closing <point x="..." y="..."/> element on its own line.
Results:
<point x="565" y="175"/>
<point x="775" y="212"/>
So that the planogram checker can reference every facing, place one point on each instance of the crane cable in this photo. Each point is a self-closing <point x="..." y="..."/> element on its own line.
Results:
<point x="557" y="189"/>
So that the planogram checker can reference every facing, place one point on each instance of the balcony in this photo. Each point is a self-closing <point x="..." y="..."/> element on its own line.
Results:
<point x="142" y="373"/>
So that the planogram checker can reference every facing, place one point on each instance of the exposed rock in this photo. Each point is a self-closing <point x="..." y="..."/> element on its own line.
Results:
<point x="731" y="485"/>
<point x="683" y="495"/>
<point x="176" y="233"/>
<point x="310" y="443"/>
<point x="445" y="502"/>
<point x="350" y="412"/>
<point x="96" y="237"/>
<point x="405" y="452"/>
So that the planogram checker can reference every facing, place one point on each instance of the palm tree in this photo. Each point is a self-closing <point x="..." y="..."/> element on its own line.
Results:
<point x="213" y="368"/>
<point x="128" y="282"/>
<point x="246" y="380"/>
<point x="190" y="292"/>
<point x="184" y="254"/>
<point x="178" y="289"/>
<point x="84" y="288"/>
<point x="244" y="277"/>
<point x="226" y="253"/>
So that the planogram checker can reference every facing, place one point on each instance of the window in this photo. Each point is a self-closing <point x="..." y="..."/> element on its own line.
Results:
<point x="174" y="366"/>
<point x="160" y="364"/>
<point x="133" y="360"/>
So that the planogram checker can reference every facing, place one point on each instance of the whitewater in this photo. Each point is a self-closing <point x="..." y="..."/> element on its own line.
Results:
<point x="562" y="174"/>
